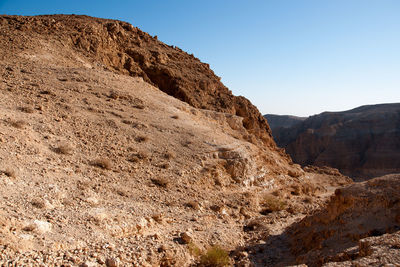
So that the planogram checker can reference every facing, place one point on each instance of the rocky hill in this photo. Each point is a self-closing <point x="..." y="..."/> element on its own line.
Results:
<point x="119" y="150"/>
<point x="363" y="142"/>
<point x="120" y="47"/>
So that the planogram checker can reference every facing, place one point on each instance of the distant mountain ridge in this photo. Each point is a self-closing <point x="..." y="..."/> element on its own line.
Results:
<point x="285" y="121"/>
<point x="362" y="142"/>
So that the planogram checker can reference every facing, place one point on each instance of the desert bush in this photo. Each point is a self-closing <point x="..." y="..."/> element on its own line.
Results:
<point x="194" y="249"/>
<point x="163" y="165"/>
<point x="161" y="182"/>
<point x="19" y="124"/>
<point x="308" y="199"/>
<point x="26" y="109"/>
<point x="215" y="257"/>
<point x="272" y="203"/>
<point x="102" y="163"/>
<point x="193" y="204"/>
<point x="169" y="155"/>
<point x="253" y="225"/>
<point x="158" y="217"/>
<point x="141" y="138"/>
<point x="138" y="156"/>
<point x="114" y="95"/>
<point x="64" y="149"/>
<point x="9" y="172"/>
<point x="38" y="203"/>
<point x="295" y="190"/>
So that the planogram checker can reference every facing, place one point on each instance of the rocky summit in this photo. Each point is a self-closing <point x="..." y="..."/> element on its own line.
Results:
<point x="119" y="150"/>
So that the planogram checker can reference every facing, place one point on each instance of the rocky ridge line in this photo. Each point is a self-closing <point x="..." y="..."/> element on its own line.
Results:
<point x="126" y="49"/>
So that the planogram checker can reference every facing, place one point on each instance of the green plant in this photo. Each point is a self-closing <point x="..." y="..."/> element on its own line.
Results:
<point x="215" y="257"/>
<point x="194" y="249"/>
<point x="272" y="203"/>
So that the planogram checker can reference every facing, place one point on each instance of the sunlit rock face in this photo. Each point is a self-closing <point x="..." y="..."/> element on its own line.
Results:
<point x="363" y="142"/>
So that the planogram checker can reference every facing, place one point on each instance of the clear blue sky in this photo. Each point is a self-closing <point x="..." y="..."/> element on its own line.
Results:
<point x="297" y="57"/>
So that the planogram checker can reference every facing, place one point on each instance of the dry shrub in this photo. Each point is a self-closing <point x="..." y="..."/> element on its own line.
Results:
<point x="295" y="190"/>
<point x="159" y="217"/>
<point x="163" y="165"/>
<point x="137" y="103"/>
<point x="186" y="143"/>
<point x="215" y="257"/>
<point x="102" y="163"/>
<point x="138" y="156"/>
<point x="141" y="138"/>
<point x="256" y="224"/>
<point x="308" y="189"/>
<point x="113" y="95"/>
<point x="276" y="193"/>
<point x="169" y="155"/>
<point x="19" y="124"/>
<point x="272" y="203"/>
<point x="38" y="203"/>
<point x="129" y="122"/>
<point x="308" y="199"/>
<point x="161" y="182"/>
<point x="193" y="204"/>
<point x="26" y="109"/>
<point x="10" y="173"/>
<point x="64" y="149"/>
<point x="304" y="188"/>
<point x="194" y="249"/>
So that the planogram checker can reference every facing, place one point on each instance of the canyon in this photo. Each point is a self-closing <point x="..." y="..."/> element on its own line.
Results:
<point x="119" y="150"/>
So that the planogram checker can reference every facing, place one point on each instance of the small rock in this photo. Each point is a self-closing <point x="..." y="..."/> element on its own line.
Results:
<point x="186" y="237"/>
<point x="162" y="248"/>
<point x="88" y="264"/>
<point x="111" y="262"/>
<point x="40" y="226"/>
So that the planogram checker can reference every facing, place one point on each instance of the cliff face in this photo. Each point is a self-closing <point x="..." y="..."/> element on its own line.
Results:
<point x="363" y="142"/>
<point x="125" y="49"/>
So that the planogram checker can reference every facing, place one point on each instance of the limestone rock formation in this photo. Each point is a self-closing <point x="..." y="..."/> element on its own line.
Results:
<point x="120" y="47"/>
<point x="361" y="210"/>
<point x="362" y="143"/>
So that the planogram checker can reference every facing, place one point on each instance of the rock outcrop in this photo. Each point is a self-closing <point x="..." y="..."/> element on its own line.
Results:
<point x="125" y="49"/>
<point x="362" y="143"/>
<point x="367" y="209"/>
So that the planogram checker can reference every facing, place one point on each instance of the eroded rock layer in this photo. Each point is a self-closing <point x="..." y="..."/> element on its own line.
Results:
<point x="361" y="210"/>
<point x="363" y="142"/>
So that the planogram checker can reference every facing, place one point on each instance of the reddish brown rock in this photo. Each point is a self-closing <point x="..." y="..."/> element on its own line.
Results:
<point x="362" y="143"/>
